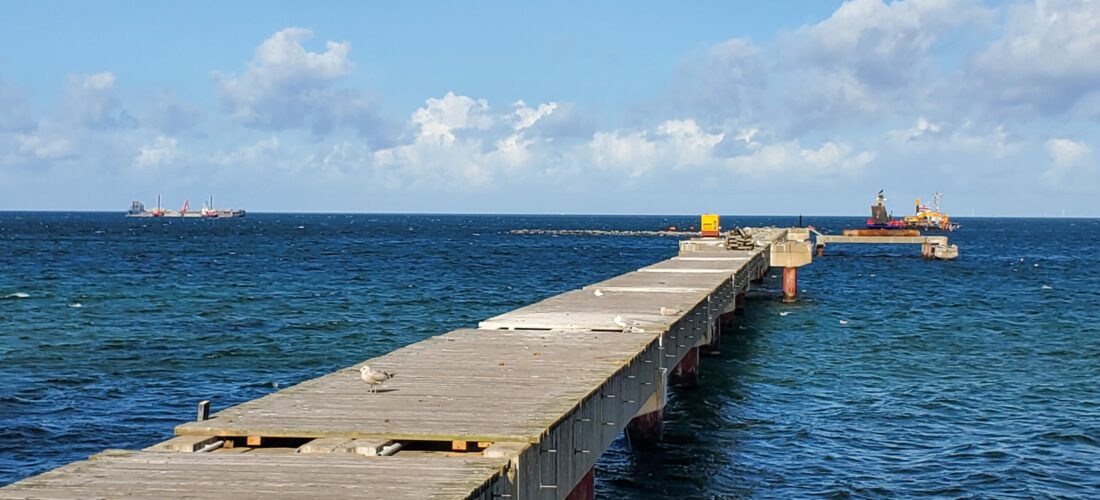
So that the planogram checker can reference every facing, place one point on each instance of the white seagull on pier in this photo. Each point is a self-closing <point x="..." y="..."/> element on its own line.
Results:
<point x="631" y="327"/>
<point x="670" y="311"/>
<point x="619" y="321"/>
<point x="374" y="378"/>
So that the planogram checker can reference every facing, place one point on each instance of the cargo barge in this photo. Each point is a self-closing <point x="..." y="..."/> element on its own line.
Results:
<point x="137" y="209"/>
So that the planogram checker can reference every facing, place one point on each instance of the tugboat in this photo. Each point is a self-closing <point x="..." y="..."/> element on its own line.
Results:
<point x="879" y="218"/>
<point x="930" y="218"/>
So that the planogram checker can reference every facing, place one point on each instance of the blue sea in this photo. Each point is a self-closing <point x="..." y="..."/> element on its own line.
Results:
<point x="977" y="378"/>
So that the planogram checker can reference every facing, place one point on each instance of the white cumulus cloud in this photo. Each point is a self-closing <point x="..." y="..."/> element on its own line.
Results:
<point x="44" y="148"/>
<point x="1046" y="59"/>
<point x="286" y="86"/>
<point x="1069" y="161"/>
<point x="440" y="118"/>
<point x="15" y="115"/>
<point x="90" y="101"/>
<point x="162" y="151"/>
<point x="871" y="57"/>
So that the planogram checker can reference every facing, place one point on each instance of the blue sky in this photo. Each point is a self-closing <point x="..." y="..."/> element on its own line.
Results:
<point x="564" y="107"/>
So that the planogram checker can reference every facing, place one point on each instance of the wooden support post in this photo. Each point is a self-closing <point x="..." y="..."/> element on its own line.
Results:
<point x="459" y="445"/>
<point x="926" y="250"/>
<point x="254" y="441"/>
<point x="790" y="284"/>
<point x="686" y="373"/>
<point x="204" y="411"/>
<point x="585" y="489"/>
<point x="739" y="304"/>
<point x="644" y="431"/>
<point x="820" y="249"/>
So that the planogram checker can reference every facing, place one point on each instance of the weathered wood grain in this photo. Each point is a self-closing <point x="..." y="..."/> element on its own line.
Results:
<point x="157" y="475"/>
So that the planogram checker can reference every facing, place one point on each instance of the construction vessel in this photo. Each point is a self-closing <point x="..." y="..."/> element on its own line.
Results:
<point x="880" y="219"/>
<point x="930" y="218"/>
<point x="137" y="209"/>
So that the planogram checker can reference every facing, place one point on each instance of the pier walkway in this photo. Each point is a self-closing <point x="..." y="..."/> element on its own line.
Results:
<point x="520" y="407"/>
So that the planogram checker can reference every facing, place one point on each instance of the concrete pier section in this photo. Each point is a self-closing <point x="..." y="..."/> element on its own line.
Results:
<point x="520" y="407"/>
<point x="932" y="247"/>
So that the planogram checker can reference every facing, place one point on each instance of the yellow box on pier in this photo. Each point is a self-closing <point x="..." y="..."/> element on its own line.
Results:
<point x="708" y="225"/>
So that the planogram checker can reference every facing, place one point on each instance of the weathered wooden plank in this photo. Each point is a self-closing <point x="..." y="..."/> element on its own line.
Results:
<point x="179" y="475"/>
<point x="704" y="282"/>
<point x="183" y="444"/>
<point x="509" y="389"/>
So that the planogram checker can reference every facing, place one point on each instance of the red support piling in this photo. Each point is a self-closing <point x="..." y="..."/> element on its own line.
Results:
<point x="686" y="373"/>
<point x="820" y="249"/>
<point x="644" y="431"/>
<point x="790" y="284"/>
<point x="585" y="489"/>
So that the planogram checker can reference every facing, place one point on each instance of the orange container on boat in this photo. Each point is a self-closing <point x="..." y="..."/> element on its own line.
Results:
<point x="708" y="223"/>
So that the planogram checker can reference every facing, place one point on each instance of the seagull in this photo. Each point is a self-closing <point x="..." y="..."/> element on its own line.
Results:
<point x="598" y="293"/>
<point x="619" y="321"/>
<point x="373" y="378"/>
<point x="670" y="311"/>
<point x="844" y="322"/>
<point x="784" y="313"/>
<point x="631" y="327"/>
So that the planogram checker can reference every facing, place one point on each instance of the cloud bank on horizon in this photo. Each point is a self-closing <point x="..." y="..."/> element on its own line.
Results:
<point x="995" y="105"/>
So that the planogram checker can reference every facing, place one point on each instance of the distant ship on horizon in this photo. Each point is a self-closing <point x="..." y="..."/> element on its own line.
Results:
<point x="137" y="209"/>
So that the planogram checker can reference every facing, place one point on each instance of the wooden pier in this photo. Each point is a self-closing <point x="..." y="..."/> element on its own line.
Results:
<point x="520" y="407"/>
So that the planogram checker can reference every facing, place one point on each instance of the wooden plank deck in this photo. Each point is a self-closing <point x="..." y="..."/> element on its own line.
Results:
<point x="583" y="310"/>
<point x="655" y="282"/>
<point x="470" y="385"/>
<point x="160" y="475"/>
<point x="702" y="264"/>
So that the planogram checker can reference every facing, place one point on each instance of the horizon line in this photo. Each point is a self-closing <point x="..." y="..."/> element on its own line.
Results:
<point x="559" y="214"/>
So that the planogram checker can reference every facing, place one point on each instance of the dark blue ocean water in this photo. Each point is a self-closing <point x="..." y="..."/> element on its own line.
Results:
<point x="973" y="378"/>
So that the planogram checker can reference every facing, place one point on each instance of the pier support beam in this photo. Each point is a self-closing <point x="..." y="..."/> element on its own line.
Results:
<point x="712" y="347"/>
<point x="820" y="249"/>
<point x="586" y="488"/>
<point x="686" y="373"/>
<point x="644" y="430"/>
<point x="790" y="284"/>
<point x="739" y="304"/>
<point x="791" y="255"/>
